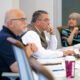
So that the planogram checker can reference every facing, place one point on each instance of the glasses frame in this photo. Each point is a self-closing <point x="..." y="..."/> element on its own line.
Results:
<point x="21" y="19"/>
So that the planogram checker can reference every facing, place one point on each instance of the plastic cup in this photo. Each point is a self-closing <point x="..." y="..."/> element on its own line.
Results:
<point x="70" y="66"/>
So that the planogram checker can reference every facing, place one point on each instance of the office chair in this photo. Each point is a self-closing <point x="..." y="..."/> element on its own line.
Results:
<point x="25" y="72"/>
<point x="35" y="65"/>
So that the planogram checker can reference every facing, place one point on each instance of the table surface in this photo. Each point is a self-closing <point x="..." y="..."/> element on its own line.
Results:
<point x="58" y="70"/>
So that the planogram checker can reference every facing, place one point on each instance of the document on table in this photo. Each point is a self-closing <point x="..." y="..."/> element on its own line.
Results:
<point x="77" y="65"/>
<point x="55" y="65"/>
<point x="51" y="61"/>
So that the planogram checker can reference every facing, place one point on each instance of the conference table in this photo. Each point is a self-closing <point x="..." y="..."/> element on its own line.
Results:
<point x="57" y="65"/>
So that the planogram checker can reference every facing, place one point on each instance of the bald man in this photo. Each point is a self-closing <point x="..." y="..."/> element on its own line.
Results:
<point x="14" y="25"/>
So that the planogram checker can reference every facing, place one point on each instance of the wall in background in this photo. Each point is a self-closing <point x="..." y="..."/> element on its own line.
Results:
<point x="69" y="6"/>
<point x="4" y="6"/>
<point x="28" y="6"/>
<point x="53" y="7"/>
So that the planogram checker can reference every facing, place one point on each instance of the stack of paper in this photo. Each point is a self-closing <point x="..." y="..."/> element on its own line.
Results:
<point x="55" y="65"/>
<point x="51" y="61"/>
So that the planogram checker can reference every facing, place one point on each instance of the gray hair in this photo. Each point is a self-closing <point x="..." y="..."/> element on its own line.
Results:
<point x="76" y="16"/>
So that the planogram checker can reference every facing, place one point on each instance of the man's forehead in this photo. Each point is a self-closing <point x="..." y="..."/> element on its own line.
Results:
<point x="17" y="14"/>
<point x="44" y="16"/>
<point x="20" y="14"/>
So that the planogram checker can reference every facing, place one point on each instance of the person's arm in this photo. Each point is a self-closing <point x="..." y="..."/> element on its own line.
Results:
<point x="52" y="43"/>
<point x="69" y="52"/>
<point x="70" y="38"/>
<point x="9" y="56"/>
<point x="30" y="49"/>
<point x="32" y="37"/>
<point x="14" y="67"/>
<point x="64" y="36"/>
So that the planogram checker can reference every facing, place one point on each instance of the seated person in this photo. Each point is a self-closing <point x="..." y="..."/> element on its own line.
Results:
<point x="71" y="35"/>
<point x="14" y="24"/>
<point x="40" y="23"/>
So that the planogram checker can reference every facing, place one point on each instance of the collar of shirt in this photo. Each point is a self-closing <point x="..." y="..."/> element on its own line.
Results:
<point x="38" y="30"/>
<point x="5" y="29"/>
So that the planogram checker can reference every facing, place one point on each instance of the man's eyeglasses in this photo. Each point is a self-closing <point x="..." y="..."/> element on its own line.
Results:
<point x="21" y="19"/>
<point x="46" y="20"/>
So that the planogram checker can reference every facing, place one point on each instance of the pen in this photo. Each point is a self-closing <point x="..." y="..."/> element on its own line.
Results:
<point x="57" y="70"/>
<point x="53" y="64"/>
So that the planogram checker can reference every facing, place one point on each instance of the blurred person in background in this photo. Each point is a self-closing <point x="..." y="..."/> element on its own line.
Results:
<point x="40" y="23"/>
<point x="71" y="35"/>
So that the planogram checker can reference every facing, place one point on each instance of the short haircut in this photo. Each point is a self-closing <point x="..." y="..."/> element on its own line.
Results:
<point x="37" y="14"/>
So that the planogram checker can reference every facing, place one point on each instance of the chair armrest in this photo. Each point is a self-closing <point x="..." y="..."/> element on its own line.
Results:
<point x="10" y="75"/>
<point x="15" y="42"/>
<point x="36" y="66"/>
<point x="18" y="44"/>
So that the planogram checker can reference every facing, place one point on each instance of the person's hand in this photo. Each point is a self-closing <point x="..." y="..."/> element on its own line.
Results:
<point x="68" y="52"/>
<point x="75" y="30"/>
<point x="50" y="30"/>
<point x="33" y="47"/>
<point x="30" y="49"/>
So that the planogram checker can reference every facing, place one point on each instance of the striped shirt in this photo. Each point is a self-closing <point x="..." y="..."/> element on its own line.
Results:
<point x="65" y="34"/>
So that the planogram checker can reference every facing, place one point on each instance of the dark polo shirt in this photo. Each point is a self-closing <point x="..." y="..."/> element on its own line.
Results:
<point x="7" y="57"/>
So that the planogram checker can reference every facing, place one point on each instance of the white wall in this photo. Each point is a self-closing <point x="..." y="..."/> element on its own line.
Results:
<point x="57" y="12"/>
<point x="4" y="6"/>
<point x="53" y="7"/>
<point x="29" y="6"/>
<point x="46" y="5"/>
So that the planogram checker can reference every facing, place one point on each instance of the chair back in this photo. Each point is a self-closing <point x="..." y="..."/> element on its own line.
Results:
<point x="23" y="64"/>
<point x="24" y="60"/>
